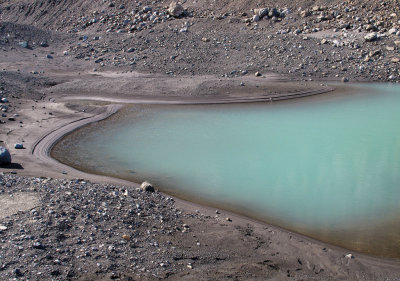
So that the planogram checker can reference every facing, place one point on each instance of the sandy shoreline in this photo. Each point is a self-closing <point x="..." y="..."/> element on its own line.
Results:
<point x="291" y="246"/>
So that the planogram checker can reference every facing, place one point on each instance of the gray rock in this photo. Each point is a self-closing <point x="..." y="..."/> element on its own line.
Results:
<point x="5" y="156"/>
<point x="147" y="9"/>
<point x="371" y="27"/>
<point x="261" y="12"/>
<point x="146" y="186"/>
<point x="176" y="10"/>
<point x="371" y="37"/>
<point x="274" y="13"/>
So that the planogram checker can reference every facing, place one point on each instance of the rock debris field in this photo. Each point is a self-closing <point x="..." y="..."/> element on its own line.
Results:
<point x="75" y="229"/>
<point x="79" y="227"/>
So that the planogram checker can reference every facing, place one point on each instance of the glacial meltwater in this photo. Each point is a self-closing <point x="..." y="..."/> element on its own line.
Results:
<point x="327" y="167"/>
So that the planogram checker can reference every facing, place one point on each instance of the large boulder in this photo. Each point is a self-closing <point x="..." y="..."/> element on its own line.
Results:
<point x="5" y="156"/>
<point x="176" y="10"/>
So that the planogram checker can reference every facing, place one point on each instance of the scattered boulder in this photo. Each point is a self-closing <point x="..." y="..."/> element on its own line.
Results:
<point x="371" y="27"/>
<point x="176" y="10"/>
<point x="147" y="9"/>
<point x="371" y="37"/>
<point x="304" y="14"/>
<point x="345" y="79"/>
<point x="18" y="146"/>
<point x="146" y="186"/>
<point x="24" y="44"/>
<point x="261" y="13"/>
<point x="258" y="74"/>
<point x="256" y="18"/>
<point x="274" y="13"/>
<point x="5" y="156"/>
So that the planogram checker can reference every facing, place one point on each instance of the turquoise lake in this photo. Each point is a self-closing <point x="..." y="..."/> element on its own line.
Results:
<point x="327" y="166"/>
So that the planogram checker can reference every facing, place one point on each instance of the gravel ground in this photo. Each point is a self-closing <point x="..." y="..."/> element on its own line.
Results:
<point x="79" y="227"/>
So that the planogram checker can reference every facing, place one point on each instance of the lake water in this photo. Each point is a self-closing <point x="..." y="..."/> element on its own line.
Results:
<point x="327" y="167"/>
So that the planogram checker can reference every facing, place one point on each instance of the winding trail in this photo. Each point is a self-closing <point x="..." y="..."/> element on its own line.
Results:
<point x="218" y="100"/>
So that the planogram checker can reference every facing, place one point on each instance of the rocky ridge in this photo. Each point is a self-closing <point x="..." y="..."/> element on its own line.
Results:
<point x="355" y="40"/>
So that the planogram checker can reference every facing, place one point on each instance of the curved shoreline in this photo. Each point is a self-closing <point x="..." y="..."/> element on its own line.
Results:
<point x="42" y="148"/>
<point x="182" y="101"/>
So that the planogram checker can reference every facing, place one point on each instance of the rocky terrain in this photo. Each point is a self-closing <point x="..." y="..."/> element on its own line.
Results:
<point x="73" y="229"/>
<point x="355" y="40"/>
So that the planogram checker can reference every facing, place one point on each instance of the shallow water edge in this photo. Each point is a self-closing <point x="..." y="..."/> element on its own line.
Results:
<point x="338" y="236"/>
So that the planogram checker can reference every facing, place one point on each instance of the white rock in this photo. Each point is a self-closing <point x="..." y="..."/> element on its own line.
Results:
<point x="146" y="186"/>
<point x="176" y="10"/>
<point x="371" y="36"/>
<point x="349" y="256"/>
